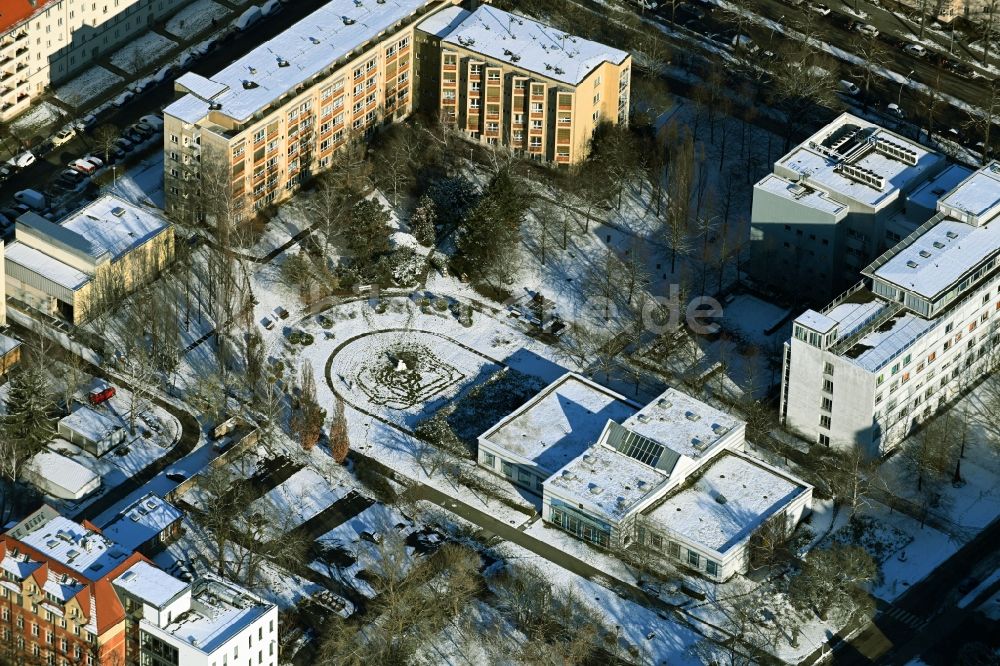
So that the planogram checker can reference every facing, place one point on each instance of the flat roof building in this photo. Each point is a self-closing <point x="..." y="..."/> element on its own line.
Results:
<point x="626" y="462"/>
<point x="907" y="338"/>
<point x="835" y="202"/>
<point x="60" y="476"/>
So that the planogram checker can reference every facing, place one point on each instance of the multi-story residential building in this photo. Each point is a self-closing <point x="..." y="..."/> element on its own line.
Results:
<point x="256" y="129"/>
<point x="510" y="81"/>
<point x="208" y="622"/>
<point x="668" y="478"/>
<point x="43" y="42"/>
<point x="103" y="250"/>
<point x="838" y="200"/>
<point x="901" y="343"/>
<point x="57" y="605"/>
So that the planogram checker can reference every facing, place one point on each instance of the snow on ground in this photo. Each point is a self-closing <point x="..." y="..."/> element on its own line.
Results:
<point x="753" y="316"/>
<point x="461" y="643"/>
<point x="142" y="184"/>
<point x="88" y="85"/>
<point x="36" y="121"/>
<point x="991" y="607"/>
<point x="671" y="640"/>
<point x="979" y="589"/>
<point x="300" y="497"/>
<point x="582" y="551"/>
<point x="142" y="52"/>
<point x="195" y="18"/>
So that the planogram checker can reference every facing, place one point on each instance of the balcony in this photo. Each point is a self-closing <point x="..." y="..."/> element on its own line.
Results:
<point x="22" y="35"/>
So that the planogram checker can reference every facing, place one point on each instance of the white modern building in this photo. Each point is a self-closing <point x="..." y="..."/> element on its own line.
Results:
<point x="43" y="42"/>
<point x="838" y="200"/>
<point x="91" y="430"/>
<point x="668" y="477"/>
<point x="208" y="622"/>
<point x="901" y="343"/>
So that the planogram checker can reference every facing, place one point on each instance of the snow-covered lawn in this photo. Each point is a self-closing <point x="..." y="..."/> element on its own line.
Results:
<point x="195" y="18"/>
<point x="88" y="85"/>
<point x="300" y="497"/>
<point x="37" y="120"/>
<point x="142" y="52"/>
<point x="752" y="317"/>
<point x="142" y="184"/>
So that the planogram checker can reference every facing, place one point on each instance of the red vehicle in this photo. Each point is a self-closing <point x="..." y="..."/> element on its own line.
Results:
<point x="103" y="395"/>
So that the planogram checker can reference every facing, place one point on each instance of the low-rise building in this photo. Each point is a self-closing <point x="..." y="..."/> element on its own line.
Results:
<point x="94" y="256"/>
<point x="60" y="476"/>
<point x="622" y="464"/>
<point x="837" y="201"/>
<point x="918" y="328"/>
<point x="44" y="42"/>
<point x="209" y="621"/>
<point x="91" y="430"/>
<point x="147" y="525"/>
<point x="507" y="80"/>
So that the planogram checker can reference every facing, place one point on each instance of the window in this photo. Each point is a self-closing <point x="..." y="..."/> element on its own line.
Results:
<point x="173" y="138"/>
<point x="827" y="386"/>
<point x="694" y="559"/>
<point x="895" y="368"/>
<point x="711" y="568"/>
<point x="824" y="422"/>
<point x="489" y="460"/>
<point x="674" y="549"/>
<point x="906" y="377"/>
<point x="933" y="355"/>
<point x="828" y="369"/>
<point x="656" y="541"/>
<point x="824" y="439"/>
<point x="508" y="469"/>
<point x="827" y="404"/>
<point x="258" y="136"/>
<point x="523" y="476"/>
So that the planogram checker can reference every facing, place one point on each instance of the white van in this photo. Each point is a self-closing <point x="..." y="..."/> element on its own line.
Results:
<point x="848" y="88"/>
<point x="31" y="198"/>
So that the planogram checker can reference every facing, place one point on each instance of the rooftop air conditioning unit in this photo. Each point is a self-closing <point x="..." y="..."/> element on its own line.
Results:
<point x="643" y="418"/>
<point x="691" y="416"/>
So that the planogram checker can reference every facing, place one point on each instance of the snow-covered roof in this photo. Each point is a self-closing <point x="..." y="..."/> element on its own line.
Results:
<point x="151" y="584"/>
<point x="308" y="47"/>
<point x="48" y="267"/>
<point x="853" y="141"/>
<point x="220" y="610"/>
<point x="560" y="422"/>
<point x="79" y="548"/>
<point x="141" y="521"/>
<point x="443" y="22"/>
<point x="928" y="194"/>
<point x="530" y="45"/>
<point x="887" y="341"/>
<point x="977" y="196"/>
<point x="802" y="194"/>
<point x="62" y="471"/>
<point x="8" y="344"/>
<point x="852" y="315"/>
<point x="90" y="424"/>
<point x="114" y="225"/>
<point x="609" y="483"/>
<point x="728" y="502"/>
<point x="935" y="260"/>
<point x="681" y="423"/>
<point x="816" y="321"/>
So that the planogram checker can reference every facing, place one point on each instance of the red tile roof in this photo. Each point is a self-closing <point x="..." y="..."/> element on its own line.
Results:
<point x="13" y="12"/>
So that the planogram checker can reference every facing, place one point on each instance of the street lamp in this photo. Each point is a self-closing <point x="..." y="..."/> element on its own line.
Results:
<point x="899" y="98"/>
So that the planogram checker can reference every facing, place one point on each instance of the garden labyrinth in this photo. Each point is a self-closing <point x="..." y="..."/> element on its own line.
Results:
<point x="404" y="376"/>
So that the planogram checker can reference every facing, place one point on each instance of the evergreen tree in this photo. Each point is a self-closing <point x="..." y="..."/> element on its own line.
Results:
<point x="307" y="421"/>
<point x="340" y="443"/>
<point x="370" y="237"/>
<point x="29" y="423"/>
<point x="422" y="221"/>
<point x="487" y="244"/>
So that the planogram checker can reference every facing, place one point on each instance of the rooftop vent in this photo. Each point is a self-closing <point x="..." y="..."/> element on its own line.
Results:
<point x="951" y="234"/>
<point x="691" y="416"/>
<point x="719" y="429"/>
<point x="568" y="475"/>
<point x="642" y="485"/>
<point x="249" y="85"/>
<point x="253" y="70"/>
<point x="314" y="40"/>
<point x="128" y="575"/>
<point x="938" y="244"/>
<point x="925" y="254"/>
<point x="282" y="62"/>
<point x="643" y="418"/>
<point x="721" y="499"/>
<point x="596" y="489"/>
<point x="357" y="3"/>
<point x="588" y="458"/>
<point x="515" y="58"/>
<point x="559" y="70"/>
<point x="51" y="543"/>
<point x="912" y="264"/>
<point x="663" y="403"/>
<point x="698" y="443"/>
<point x="214" y="106"/>
<point x="348" y="20"/>
<point x="117" y="211"/>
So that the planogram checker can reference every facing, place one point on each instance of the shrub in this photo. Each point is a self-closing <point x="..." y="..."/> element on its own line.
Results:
<point x="440" y="304"/>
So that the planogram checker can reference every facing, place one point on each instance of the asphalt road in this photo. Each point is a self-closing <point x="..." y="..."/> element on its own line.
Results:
<point x="39" y="175"/>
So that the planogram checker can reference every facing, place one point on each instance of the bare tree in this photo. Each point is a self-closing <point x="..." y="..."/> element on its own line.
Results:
<point x="873" y="58"/>
<point x="104" y="139"/>
<point x="680" y="185"/>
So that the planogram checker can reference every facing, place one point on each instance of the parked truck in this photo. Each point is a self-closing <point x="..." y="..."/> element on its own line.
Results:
<point x="101" y="396"/>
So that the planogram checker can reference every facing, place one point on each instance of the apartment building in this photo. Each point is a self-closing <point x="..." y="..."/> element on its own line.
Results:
<point x="920" y="326"/>
<point x="510" y="81"/>
<point x="208" y="622"/>
<point x="669" y="478"/>
<point x="43" y="42"/>
<point x="105" y="249"/>
<point x="837" y="201"/>
<point x="271" y="118"/>
<point x="57" y="605"/>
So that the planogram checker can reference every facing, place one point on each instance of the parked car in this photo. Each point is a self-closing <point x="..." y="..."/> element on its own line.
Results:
<point x="31" y="198"/>
<point x="164" y="73"/>
<point x="116" y="154"/>
<point x="867" y="29"/>
<point x="894" y="110"/>
<point x="71" y="176"/>
<point x="248" y="18"/>
<point x="144" y="129"/>
<point x="271" y="7"/>
<point x="819" y="8"/>
<point x="84" y="166"/>
<point x="156" y="122"/>
<point x="25" y="159"/>
<point x="63" y="136"/>
<point x="124" y="143"/>
<point x="176" y="477"/>
<point x="917" y="50"/>
<point x="96" y="161"/>
<point x="133" y="135"/>
<point x="848" y="88"/>
<point x="123" y="99"/>
<point x="102" y="395"/>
